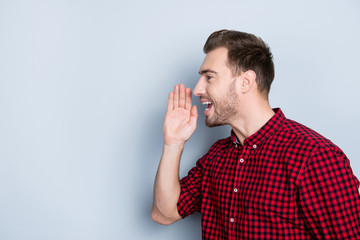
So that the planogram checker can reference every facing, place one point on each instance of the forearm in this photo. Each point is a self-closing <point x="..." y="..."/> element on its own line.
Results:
<point x="179" y="125"/>
<point x="167" y="185"/>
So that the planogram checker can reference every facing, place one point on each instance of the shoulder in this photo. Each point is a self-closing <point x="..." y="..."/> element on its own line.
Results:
<point x="304" y="135"/>
<point x="217" y="149"/>
<point x="220" y="145"/>
<point x="307" y="147"/>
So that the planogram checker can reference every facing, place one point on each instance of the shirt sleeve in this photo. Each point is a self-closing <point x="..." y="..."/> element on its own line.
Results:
<point x="328" y="196"/>
<point x="190" y="195"/>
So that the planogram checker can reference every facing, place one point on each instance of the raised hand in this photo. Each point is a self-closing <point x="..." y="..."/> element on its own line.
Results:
<point x="181" y="117"/>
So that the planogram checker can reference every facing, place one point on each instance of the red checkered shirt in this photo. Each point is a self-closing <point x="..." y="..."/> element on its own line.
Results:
<point x="285" y="182"/>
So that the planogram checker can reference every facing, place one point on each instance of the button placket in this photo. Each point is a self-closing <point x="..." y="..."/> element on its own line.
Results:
<point x="241" y="152"/>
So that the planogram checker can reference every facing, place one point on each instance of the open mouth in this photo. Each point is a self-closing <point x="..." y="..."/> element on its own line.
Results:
<point x="209" y="105"/>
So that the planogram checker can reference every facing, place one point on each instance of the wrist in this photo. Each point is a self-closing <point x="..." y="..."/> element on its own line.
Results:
<point x="174" y="144"/>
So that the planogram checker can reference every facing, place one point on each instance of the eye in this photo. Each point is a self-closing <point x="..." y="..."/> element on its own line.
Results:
<point x="208" y="77"/>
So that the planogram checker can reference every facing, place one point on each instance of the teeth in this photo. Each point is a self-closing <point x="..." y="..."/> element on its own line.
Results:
<point x="206" y="103"/>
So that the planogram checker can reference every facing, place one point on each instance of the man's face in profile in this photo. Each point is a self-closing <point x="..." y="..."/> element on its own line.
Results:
<point x="217" y="88"/>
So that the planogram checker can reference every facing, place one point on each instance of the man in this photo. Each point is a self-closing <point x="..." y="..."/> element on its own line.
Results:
<point x="273" y="178"/>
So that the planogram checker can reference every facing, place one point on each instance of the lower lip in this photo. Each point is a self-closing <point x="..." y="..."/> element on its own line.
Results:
<point x="207" y="111"/>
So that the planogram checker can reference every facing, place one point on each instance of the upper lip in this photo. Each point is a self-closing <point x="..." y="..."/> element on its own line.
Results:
<point x="205" y="101"/>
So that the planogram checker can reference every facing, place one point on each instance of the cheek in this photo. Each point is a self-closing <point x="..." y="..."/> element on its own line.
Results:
<point x="216" y="92"/>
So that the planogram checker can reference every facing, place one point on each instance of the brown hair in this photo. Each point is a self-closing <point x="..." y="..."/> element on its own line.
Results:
<point x="245" y="52"/>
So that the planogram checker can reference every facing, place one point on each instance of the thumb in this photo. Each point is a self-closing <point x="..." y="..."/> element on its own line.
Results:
<point x="193" y="114"/>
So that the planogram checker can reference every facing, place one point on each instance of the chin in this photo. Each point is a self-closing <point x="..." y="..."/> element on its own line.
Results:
<point x="212" y="124"/>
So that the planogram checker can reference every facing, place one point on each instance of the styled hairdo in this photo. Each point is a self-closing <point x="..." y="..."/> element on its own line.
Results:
<point x="245" y="52"/>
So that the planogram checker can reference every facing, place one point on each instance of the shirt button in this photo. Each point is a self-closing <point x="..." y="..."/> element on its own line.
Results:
<point x="254" y="146"/>
<point x="242" y="160"/>
<point x="232" y="220"/>
<point x="235" y="189"/>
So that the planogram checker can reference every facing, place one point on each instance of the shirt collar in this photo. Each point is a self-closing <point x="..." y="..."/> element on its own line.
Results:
<point x="265" y="131"/>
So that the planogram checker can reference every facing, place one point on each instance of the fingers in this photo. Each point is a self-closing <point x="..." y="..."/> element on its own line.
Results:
<point x="176" y="96"/>
<point x="170" y="101"/>
<point x="182" y="96"/>
<point x="188" y="99"/>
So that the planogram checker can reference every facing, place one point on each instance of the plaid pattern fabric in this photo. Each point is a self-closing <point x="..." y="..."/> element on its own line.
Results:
<point x="286" y="182"/>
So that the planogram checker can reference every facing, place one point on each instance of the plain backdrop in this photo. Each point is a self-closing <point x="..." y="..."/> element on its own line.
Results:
<point x="83" y="93"/>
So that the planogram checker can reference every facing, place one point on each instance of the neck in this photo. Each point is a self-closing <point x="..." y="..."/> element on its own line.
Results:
<point x="254" y="116"/>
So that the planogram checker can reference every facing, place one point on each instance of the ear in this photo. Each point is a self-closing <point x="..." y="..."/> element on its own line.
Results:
<point x="248" y="81"/>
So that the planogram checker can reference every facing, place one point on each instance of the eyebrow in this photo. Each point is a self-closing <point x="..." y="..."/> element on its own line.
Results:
<point x="207" y="71"/>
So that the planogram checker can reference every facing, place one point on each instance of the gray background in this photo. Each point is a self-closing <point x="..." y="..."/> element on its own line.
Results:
<point x="83" y="93"/>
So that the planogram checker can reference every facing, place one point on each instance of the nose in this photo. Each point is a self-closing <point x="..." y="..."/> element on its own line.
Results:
<point x="199" y="89"/>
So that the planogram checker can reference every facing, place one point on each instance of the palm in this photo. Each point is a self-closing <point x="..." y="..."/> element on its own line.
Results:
<point x="181" y="116"/>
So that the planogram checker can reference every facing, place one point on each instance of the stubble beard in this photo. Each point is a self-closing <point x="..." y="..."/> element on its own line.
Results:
<point x="225" y="109"/>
